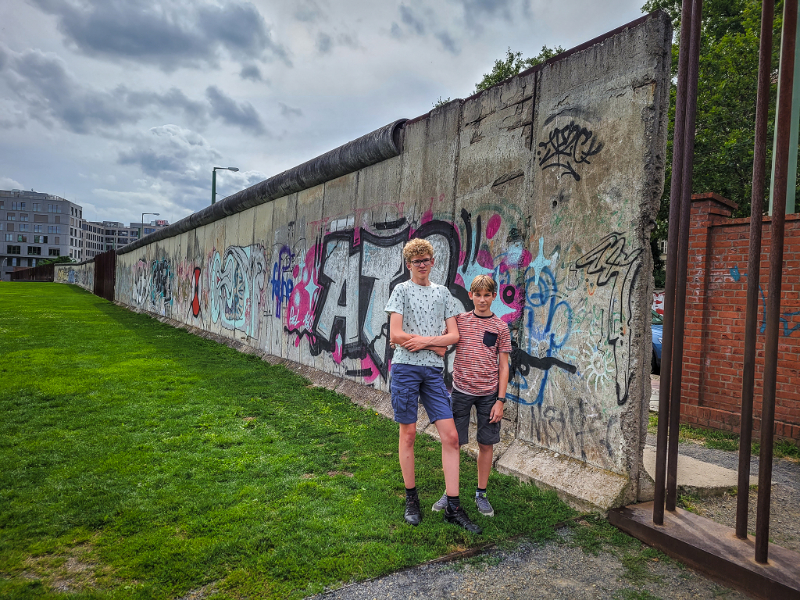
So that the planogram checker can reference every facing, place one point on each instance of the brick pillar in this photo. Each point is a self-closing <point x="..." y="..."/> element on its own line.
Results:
<point x="707" y="210"/>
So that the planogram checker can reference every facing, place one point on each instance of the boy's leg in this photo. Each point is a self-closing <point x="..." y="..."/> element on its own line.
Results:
<point x="485" y="456"/>
<point x="408" y="433"/>
<point x="451" y="457"/>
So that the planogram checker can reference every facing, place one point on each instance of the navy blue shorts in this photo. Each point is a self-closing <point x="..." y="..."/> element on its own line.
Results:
<point x="411" y="383"/>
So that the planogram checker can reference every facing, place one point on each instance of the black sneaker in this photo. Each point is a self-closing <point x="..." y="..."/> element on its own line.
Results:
<point x="460" y="518"/>
<point x="413" y="514"/>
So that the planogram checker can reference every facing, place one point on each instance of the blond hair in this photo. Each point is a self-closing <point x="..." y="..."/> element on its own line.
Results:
<point x="483" y="282"/>
<point x="417" y="247"/>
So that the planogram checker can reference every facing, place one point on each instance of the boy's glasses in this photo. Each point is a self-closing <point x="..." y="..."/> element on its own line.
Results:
<point x="422" y="263"/>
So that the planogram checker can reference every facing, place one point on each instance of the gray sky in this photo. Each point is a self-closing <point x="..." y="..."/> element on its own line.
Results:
<point x="124" y="106"/>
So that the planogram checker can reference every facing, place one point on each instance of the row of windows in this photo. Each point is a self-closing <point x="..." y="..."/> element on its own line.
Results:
<point x="32" y="250"/>
<point x="13" y="217"/>
<point x="37" y="239"/>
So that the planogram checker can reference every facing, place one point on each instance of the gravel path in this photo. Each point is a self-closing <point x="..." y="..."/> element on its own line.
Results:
<point x="553" y="570"/>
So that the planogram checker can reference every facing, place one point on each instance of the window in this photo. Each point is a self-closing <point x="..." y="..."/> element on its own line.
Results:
<point x="14" y="249"/>
<point x="17" y="206"/>
<point x="57" y="241"/>
<point x="36" y="207"/>
<point x="40" y="239"/>
<point x="53" y="252"/>
<point x="34" y="250"/>
<point x="53" y="229"/>
<point x="23" y="216"/>
<point x="22" y="238"/>
<point x="11" y="217"/>
<point x="10" y="227"/>
<point x="14" y="261"/>
<point x="31" y="262"/>
<point x="23" y="227"/>
<point x="9" y="237"/>
<point x="37" y="229"/>
<point x="54" y="208"/>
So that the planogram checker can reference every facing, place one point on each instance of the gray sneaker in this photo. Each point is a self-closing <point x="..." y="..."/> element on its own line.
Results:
<point x="483" y="504"/>
<point x="440" y="504"/>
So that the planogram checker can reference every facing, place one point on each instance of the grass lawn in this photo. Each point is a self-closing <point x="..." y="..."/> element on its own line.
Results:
<point x="140" y="461"/>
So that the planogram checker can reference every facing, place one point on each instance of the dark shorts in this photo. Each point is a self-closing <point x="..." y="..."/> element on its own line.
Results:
<point x="411" y="383"/>
<point x="488" y="433"/>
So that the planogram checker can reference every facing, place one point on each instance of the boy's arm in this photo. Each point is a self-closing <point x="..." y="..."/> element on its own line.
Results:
<point x="497" y="409"/>
<point x="396" y="334"/>
<point x="415" y="343"/>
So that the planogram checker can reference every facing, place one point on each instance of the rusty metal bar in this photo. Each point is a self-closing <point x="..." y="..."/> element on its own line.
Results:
<point x="672" y="252"/>
<point x="754" y="265"/>
<point x="683" y="257"/>
<point x="788" y="36"/>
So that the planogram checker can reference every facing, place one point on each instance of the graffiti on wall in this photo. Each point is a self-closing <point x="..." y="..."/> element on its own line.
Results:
<point x="567" y="147"/>
<point x="237" y="279"/>
<point x="790" y="321"/>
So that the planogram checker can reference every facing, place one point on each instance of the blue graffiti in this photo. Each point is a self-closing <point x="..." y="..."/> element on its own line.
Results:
<point x="281" y="282"/>
<point x="544" y="343"/>
<point x="784" y="317"/>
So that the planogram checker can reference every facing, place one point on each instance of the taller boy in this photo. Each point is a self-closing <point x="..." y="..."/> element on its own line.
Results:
<point x="418" y="312"/>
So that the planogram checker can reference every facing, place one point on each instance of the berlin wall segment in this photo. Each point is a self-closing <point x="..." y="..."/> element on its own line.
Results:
<point x="549" y="182"/>
<point x="81" y="274"/>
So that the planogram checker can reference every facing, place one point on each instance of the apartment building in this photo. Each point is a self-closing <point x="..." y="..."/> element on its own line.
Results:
<point x="35" y="226"/>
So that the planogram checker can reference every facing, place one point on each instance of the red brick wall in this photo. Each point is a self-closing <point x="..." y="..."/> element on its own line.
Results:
<point x="716" y="299"/>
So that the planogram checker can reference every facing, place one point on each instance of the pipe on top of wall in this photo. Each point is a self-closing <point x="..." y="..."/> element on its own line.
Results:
<point x="380" y="145"/>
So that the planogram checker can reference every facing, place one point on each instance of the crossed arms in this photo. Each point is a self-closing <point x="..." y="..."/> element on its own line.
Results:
<point x="415" y="343"/>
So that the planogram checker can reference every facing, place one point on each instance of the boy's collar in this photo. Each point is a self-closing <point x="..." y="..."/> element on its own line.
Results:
<point x="489" y="316"/>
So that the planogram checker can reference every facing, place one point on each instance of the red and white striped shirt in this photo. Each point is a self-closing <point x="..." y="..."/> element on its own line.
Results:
<point x="481" y="340"/>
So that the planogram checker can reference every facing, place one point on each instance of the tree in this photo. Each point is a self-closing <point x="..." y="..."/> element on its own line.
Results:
<point x="726" y="100"/>
<point x="513" y="65"/>
<point x="54" y="261"/>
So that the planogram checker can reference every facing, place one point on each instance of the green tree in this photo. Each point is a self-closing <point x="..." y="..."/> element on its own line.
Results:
<point x="512" y="65"/>
<point x="726" y="100"/>
<point x="59" y="260"/>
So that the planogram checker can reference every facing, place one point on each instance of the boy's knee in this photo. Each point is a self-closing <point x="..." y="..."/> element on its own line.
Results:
<point x="407" y="436"/>
<point x="486" y="448"/>
<point x="450" y="439"/>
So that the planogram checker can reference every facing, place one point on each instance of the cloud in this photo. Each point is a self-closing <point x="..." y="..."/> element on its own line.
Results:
<point x="168" y="34"/>
<point x="308" y="11"/>
<point x="242" y="114"/>
<point x="52" y="95"/>
<point x="6" y="183"/>
<point x="477" y="11"/>
<point x="447" y="42"/>
<point x="172" y="153"/>
<point x="409" y="18"/>
<point x="288" y="111"/>
<point x="324" y="43"/>
<point x="251" y="72"/>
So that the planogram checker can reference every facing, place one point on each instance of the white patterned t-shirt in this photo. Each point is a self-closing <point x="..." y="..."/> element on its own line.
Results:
<point x="425" y="308"/>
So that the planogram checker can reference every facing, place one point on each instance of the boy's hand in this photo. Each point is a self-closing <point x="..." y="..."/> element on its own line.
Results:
<point x="497" y="412"/>
<point x="440" y="350"/>
<point x="416" y="343"/>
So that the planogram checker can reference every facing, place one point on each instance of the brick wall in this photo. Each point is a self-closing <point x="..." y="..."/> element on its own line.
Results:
<point x="716" y="300"/>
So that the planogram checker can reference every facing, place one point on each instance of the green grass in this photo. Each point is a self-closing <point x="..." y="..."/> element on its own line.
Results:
<point x="139" y="461"/>
<point x="725" y="440"/>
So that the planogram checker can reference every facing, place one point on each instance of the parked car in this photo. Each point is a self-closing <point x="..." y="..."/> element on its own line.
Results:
<point x="657" y="326"/>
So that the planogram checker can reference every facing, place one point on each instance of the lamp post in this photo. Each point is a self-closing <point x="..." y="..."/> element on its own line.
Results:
<point x="141" y="229"/>
<point x="214" y="180"/>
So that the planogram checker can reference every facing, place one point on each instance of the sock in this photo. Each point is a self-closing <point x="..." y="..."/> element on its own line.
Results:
<point x="411" y="492"/>
<point x="453" y="502"/>
<point x="480" y="491"/>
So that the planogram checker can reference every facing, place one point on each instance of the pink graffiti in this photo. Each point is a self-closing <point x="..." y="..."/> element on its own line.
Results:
<point x="303" y="299"/>
<point x="337" y="351"/>
<point x="493" y="226"/>
<point x="658" y="302"/>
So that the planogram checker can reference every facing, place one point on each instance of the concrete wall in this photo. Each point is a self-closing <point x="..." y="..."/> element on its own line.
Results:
<point x="81" y="274"/>
<point x="716" y="303"/>
<point x="550" y="182"/>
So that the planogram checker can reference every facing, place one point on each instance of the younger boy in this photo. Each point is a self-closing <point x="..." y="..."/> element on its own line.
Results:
<point x="418" y="311"/>
<point x="480" y="378"/>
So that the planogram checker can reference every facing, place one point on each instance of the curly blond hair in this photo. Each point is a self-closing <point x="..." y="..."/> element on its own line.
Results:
<point x="483" y="282"/>
<point x="417" y="247"/>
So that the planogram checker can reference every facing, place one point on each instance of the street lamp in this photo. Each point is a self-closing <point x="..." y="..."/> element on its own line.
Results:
<point x="141" y="229"/>
<point x="214" y="180"/>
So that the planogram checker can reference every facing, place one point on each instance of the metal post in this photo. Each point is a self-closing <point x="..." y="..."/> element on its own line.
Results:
<point x="672" y="252"/>
<point x="213" y="185"/>
<point x="754" y="265"/>
<point x="683" y="257"/>
<point x="788" y="37"/>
